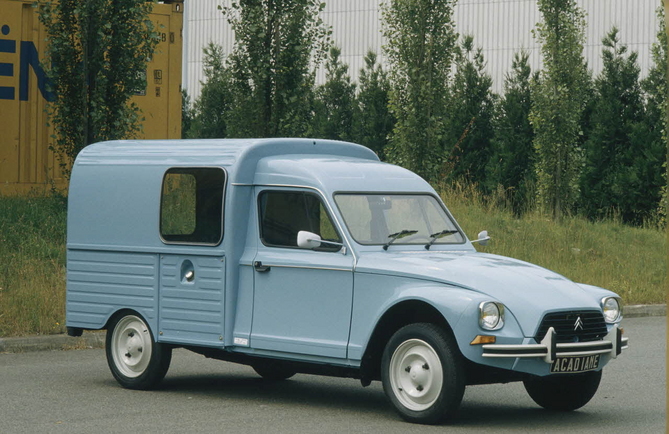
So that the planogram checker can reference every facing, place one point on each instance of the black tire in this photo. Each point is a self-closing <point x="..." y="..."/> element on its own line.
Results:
<point x="422" y="373"/>
<point x="135" y="359"/>
<point x="564" y="392"/>
<point x="273" y="371"/>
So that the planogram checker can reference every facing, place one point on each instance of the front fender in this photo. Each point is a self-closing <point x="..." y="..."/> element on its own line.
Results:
<point x="375" y="295"/>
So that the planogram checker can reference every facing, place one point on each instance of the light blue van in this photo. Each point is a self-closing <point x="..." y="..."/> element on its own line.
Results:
<point x="312" y="256"/>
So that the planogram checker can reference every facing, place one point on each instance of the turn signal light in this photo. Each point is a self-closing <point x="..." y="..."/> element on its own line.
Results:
<point x="480" y="340"/>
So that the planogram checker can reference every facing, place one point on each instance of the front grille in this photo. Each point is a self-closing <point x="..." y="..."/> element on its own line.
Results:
<point x="564" y="323"/>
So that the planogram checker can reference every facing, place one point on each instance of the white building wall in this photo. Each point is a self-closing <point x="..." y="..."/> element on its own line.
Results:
<point x="500" y="27"/>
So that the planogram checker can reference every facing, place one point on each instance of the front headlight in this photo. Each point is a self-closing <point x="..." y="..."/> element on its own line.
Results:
<point x="491" y="315"/>
<point x="611" y="309"/>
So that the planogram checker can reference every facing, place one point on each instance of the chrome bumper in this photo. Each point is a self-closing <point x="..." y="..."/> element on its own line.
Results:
<point x="612" y="344"/>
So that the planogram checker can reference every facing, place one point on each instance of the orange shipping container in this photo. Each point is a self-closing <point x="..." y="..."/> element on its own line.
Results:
<point x="26" y="163"/>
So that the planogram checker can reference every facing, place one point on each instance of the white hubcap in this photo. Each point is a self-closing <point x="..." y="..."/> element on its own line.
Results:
<point x="416" y="375"/>
<point x="131" y="346"/>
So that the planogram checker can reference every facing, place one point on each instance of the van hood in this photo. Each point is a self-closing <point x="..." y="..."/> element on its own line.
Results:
<point x="527" y="290"/>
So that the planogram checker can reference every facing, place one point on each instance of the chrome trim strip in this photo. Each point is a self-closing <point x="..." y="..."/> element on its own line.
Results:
<point x="504" y="347"/>
<point x="577" y="345"/>
<point x="304" y="267"/>
<point x="509" y="356"/>
<point x="583" y="353"/>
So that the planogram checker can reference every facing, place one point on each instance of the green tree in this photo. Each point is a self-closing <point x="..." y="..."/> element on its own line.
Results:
<point x="96" y="60"/>
<point x="335" y="106"/>
<point x="610" y="179"/>
<point x="471" y="111"/>
<point x="559" y="99"/>
<point x="375" y="122"/>
<point x="512" y="165"/>
<point x="655" y="89"/>
<point x="278" y="45"/>
<point x="420" y="47"/>
<point x="213" y="107"/>
<point x="187" y="114"/>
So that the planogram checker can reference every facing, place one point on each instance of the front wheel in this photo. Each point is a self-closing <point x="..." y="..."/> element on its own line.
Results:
<point x="134" y="358"/>
<point x="422" y="373"/>
<point x="564" y="393"/>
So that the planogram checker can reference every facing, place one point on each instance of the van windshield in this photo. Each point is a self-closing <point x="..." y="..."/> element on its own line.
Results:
<point x="403" y="219"/>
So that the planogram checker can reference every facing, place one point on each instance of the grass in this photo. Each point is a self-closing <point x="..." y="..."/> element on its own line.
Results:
<point x="32" y="265"/>
<point x="630" y="261"/>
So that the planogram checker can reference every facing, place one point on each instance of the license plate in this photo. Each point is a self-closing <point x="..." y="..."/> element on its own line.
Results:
<point x="571" y="365"/>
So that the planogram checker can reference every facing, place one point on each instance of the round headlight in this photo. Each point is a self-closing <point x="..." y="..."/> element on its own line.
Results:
<point x="611" y="309"/>
<point x="491" y="315"/>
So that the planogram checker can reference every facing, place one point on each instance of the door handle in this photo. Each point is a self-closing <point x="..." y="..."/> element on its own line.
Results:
<point x="260" y="267"/>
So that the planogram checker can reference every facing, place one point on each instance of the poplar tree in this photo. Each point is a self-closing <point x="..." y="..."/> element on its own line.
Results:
<point x="375" y="121"/>
<point x="420" y="47"/>
<point x="559" y="98"/>
<point x="335" y="107"/>
<point x="656" y="92"/>
<point x="512" y="166"/>
<point x="214" y="106"/>
<point x="471" y="111"/>
<point x="611" y="179"/>
<point x="187" y="114"/>
<point x="96" y="60"/>
<point x="278" y="46"/>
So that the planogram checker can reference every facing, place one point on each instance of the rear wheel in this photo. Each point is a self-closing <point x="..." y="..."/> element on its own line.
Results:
<point x="134" y="358"/>
<point x="422" y="373"/>
<point x="564" y="393"/>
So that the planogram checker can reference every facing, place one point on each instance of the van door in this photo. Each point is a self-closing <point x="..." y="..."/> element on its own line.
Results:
<point x="192" y="274"/>
<point x="303" y="298"/>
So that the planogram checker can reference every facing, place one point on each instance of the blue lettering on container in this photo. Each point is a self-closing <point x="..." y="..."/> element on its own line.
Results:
<point x="28" y="58"/>
<point x="7" y="46"/>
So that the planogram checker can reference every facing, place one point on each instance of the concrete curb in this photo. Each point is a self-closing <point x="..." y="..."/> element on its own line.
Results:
<point x="641" y="310"/>
<point x="96" y="339"/>
<point x="52" y="342"/>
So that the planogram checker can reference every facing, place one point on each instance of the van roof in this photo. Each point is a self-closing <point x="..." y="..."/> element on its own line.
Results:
<point x="239" y="156"/>
<point x="337" y="174"/>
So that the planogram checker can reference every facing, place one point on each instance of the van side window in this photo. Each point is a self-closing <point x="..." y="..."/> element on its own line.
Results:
<point x="191" y="207"/>
<point x="284" y="213"/>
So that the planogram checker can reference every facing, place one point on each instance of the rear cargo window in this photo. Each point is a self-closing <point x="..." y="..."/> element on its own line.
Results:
<point x="191" y="207"/>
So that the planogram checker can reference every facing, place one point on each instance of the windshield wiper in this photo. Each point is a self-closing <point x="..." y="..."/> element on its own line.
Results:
<point x="397" y="235"/>
<point x="438" y="235"/>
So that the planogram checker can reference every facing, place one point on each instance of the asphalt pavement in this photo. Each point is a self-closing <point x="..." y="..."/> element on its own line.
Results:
<point x="74" y="392"/>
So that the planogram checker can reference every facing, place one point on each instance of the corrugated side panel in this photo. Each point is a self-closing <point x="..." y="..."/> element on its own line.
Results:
<point x="191" y="312"/>
<point x="100" y="283"/>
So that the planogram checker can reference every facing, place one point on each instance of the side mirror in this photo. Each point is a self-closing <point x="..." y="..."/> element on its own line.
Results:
<point x="308" y="240"/>
<point x="483" y="238"/>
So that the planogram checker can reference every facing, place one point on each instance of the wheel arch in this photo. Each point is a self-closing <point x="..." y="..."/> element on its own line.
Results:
<point x="397" y="316"/>
<point x="116" y="315"/>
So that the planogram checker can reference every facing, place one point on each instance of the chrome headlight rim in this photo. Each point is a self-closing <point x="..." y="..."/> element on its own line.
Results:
<point x="488" y="319"/>
<point x="612" y="309"/>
